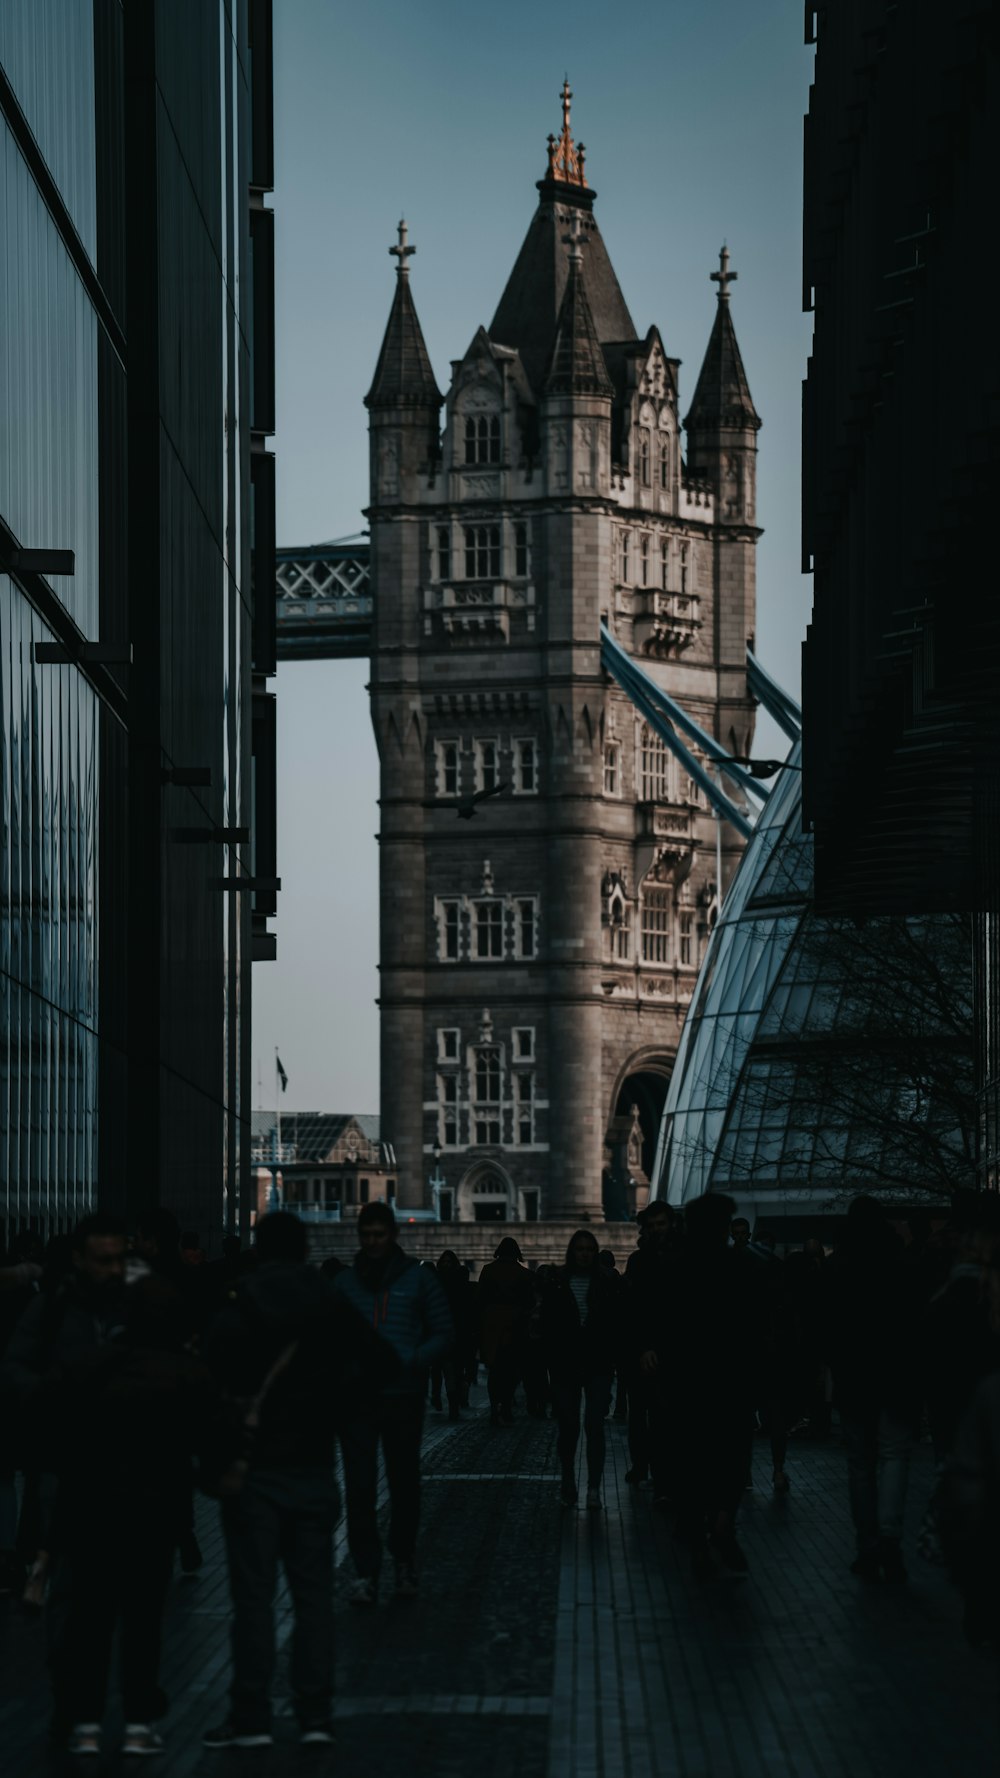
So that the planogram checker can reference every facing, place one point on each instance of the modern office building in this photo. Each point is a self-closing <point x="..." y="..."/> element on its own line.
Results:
<point x="548" y="870"/>
<point x="901" y="462"/>
<point x="136" y="734"/>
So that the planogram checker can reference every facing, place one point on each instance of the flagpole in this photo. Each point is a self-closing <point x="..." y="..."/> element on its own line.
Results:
<point x="277" y="1101"/>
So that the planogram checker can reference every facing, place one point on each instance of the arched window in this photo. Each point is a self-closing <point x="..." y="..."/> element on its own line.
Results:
<point x="482" y="438"/>
<point x="644" y="456"/>
<point x="654" y="767"/>
<point x="664" y="456"/>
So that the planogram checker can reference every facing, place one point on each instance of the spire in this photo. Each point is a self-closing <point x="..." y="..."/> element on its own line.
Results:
<point x="577" y="365"/>
<point x="566" y="159"/>
<point x="403" y="374"/>
<point x="722" y="395"/>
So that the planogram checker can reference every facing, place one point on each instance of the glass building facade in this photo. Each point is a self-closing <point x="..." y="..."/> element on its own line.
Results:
<point x="820" y="1057"/>
<point x="136" y="731"/>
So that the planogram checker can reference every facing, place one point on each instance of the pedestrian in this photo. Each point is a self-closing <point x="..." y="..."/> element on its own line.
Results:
<point x="581" y="1331"/>
<point x="405" y="1304"/>
<point x="451" y="1370"/>
<point x="292" y="1353"/>
<point x="506" y="1295"/>
<point x="873" y="1351"/>
<point x="610" y="1264"/>
<point x="648" y="1273"/>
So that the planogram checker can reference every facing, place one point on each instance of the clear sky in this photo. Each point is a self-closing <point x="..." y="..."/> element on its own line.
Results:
<point x="438" y="111"/>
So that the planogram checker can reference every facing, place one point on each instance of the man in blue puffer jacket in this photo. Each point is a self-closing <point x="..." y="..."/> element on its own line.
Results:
<point x="405" y="1304"/>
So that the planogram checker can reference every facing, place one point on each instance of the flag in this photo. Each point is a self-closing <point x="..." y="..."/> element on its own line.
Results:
<point x="282" y="1076"/>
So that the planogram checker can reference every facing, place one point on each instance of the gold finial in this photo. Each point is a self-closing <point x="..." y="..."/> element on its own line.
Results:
<point x="724" y="277"/>
<point x="565" y="159"/>
<point x="402" y="252"/>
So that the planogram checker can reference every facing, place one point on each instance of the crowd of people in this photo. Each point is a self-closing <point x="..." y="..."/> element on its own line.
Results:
<point x="135" y="1371"/>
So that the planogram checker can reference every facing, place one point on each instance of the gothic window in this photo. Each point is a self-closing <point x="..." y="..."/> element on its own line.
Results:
<point x="482" y="552"/>
<point x="623" y="564"/>
<point x="684" y="567"/>
<point x="449" y="930"/>
<point x="486" y="1080"/>
<point x="487" y="754"/>
<point x="525" y="931"/>
<point x="612" y="769"/>
<point x="444" y="552"/>
<point x="621" y="942"/>
<point x="664" y="459"/>
<point x="644" y="559"/>
<point x="654" y="763"/>
<point x="523" y="1037"/>
<point x="488" y="929"/>
<point x="644" y="456"/>
<point x="448" y="1110"/>
<point x="524" y="1093"/>
<point x="448" y="1042"/>
<point x="686" y="938"/>
<point x="525" y="768"/>
<point x="664" y="561"/>
<point x="656" y="926"/>
<point x="448" y="767"/>
<point x="520" y="552"/>
<point x="482" y="438"/>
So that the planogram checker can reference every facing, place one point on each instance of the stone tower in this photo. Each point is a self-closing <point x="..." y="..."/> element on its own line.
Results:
<point x="548" y="871"/>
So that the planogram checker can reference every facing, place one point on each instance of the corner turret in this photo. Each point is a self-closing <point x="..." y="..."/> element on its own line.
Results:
<point x="404" y="400"/>
<point x="722" y="423"/>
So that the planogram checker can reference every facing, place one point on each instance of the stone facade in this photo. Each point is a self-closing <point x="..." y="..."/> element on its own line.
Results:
<point x="548" y="870"/>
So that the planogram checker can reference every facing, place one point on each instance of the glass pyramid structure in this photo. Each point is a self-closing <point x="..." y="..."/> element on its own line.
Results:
<point x="819" y="1058"/>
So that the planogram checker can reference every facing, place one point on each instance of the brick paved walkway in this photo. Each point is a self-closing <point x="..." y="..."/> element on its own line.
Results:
<point x="572" y="1645"/>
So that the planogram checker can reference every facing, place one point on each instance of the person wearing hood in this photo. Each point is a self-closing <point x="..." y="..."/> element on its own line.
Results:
<point x="292" y="1356"/>
<point x="405" y="1305"/>
<point x="506" y="1299"/>
<point x="581" y="1332"/>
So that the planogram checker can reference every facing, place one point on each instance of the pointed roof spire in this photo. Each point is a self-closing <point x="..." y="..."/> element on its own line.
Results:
<point x="403" y="374"/>
<point x="722" y="394"/>
<point x="576" y="366"/>
<point x="566" y="158"/>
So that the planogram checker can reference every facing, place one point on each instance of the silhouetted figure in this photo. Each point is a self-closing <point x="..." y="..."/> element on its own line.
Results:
<point x="581" y="1332"/>
<point x="294" y="1355"/>
<point x="505" y="1301"/>
<point x="452" y="1370"/>
<point x="647" y="1285"/>
<point x="873" y="1351"/>
<point x="408" y="1309"/>
<point x="715" y="1316"/>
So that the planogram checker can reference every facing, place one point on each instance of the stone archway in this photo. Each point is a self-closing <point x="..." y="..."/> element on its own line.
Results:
<point x="633" y="1130"/>
<point x="486" y="1194"/>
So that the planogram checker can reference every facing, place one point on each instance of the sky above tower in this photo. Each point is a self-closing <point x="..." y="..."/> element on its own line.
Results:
<point x="438" y="111"/>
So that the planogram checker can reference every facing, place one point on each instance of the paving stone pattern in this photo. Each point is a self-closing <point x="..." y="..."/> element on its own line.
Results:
<point x="553" y="1644"/>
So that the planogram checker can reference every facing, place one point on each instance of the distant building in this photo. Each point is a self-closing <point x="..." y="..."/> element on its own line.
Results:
<point x="548" y="873"/>
<point x="136" y="733"/>
<point x="328" y="1163"/>
<point x="900" y="472"/>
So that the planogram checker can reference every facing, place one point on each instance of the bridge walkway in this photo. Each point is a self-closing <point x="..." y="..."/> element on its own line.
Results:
<point x="548" y="1644"/>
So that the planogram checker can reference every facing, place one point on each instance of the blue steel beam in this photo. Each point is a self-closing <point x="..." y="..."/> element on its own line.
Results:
<point x="324" y="605"/>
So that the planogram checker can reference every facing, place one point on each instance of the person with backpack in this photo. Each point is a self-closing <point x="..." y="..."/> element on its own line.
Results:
<point x="407" y="1308"/>
<point x="290" y="1354"/>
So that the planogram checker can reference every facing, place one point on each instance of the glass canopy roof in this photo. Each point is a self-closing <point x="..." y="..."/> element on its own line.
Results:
<point x="819" y="1058"/>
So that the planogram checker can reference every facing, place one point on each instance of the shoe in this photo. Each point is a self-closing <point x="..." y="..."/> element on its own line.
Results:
<point x="453" y="1415"/>
<point x="189" y="1552"/>
<point x="780" y="1482"/>
<point x="635" y="1477"/>
<point x="228" y="1734"/>
<point x="316" y="1734"/>
<point x="363" y="1591"/>
<point x="141" y="1738"/>
<point x="890" y="1560"/>
<point x="594" y="1502"/>
<point x="36" y="1587"/>
<point x="729" y="1553"/>
<point x="867" y="1566"/>
<point x="84" y="1738"/>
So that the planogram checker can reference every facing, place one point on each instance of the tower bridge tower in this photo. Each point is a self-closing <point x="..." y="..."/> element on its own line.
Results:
<point x="548" y="872"/>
